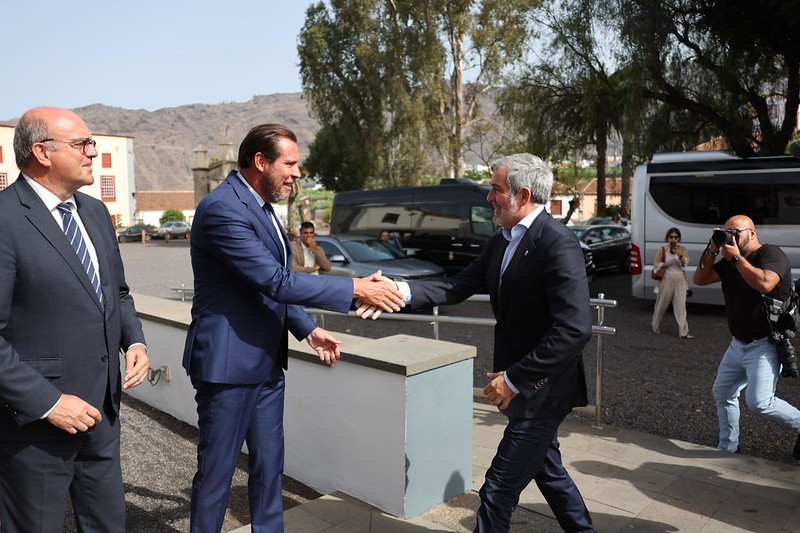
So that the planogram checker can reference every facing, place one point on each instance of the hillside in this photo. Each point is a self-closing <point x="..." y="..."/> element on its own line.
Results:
<point x="164" y="139"/>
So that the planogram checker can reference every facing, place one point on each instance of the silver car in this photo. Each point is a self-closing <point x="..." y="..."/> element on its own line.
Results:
<point x="356" y="256"/>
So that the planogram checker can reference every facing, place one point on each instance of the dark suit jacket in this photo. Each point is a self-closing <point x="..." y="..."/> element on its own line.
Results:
<point x="542" y="311"/>
<point x="244" y="298"/>
<point x="54" y="337"/>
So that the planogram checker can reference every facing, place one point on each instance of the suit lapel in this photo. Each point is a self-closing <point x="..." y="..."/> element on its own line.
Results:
<point x="43" y="221"/>
<point x="518" y="266"/>
<point x="251" y="204"/>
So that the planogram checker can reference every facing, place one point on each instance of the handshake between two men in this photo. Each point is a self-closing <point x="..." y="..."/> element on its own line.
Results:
<point x="374" y="294"/>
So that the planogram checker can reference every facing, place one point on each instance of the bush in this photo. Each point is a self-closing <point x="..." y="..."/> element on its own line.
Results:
<point x="172" y="214"/>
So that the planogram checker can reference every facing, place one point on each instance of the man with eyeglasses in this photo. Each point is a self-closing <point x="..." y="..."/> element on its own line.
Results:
<point x="749" y="269"/>
<point x="65" y="314"/>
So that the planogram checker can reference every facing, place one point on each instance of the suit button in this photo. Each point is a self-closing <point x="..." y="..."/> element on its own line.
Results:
<point x="104" y="358"/>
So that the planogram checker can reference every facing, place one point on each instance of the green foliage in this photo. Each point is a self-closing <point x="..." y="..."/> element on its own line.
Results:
<point x="171" y="214"/>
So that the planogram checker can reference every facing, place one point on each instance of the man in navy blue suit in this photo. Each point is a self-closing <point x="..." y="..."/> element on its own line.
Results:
<point x="247" y="299"/>
<point x="534" y="271"/>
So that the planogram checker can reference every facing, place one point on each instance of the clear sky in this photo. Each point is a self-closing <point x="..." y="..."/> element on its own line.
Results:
<point x="147" y="54"/>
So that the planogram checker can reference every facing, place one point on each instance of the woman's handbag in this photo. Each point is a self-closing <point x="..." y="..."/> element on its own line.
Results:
<point x="658" y="273"/>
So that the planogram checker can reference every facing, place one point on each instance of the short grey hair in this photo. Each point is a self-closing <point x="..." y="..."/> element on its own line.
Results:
<point x="527" y="171"/>
<point x="27" y="133"/>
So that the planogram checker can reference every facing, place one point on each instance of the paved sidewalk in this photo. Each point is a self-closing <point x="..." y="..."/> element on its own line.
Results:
<point x="630" y="481"/>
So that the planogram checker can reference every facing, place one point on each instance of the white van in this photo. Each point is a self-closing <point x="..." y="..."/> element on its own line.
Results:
<point x="698" y="191"/>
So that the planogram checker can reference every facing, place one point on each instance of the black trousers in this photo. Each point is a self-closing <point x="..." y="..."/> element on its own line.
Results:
<point x="529" y="451"/>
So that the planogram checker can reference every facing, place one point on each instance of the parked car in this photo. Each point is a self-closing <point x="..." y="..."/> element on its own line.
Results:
<point x="588" y="261"/>
<point x="175" y="228"/>
<point x="606" y="221"/>
<point x="355" y="255"/>
<point x="134" y="233"/>
<point x="610" y="245"/>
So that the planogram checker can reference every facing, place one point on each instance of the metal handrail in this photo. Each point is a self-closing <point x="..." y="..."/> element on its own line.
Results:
<point x="600" y="330"/>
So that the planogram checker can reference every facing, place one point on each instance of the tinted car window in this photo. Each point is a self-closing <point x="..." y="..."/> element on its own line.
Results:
<point x="372" y="250"/>
<point x="329" y="248"/>
<point x="481" y="219"/>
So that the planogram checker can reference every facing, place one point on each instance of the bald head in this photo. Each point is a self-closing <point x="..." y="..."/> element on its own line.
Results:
<point x="54" y="147"/>
<point x="747" y="239"/>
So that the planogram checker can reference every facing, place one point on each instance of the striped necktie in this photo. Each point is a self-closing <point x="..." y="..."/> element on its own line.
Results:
<point x="75" y="238"/>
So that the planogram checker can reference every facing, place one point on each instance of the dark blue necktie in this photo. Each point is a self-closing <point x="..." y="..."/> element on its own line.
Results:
<point x="274" y="219"/>
<point x="75" y="238"/>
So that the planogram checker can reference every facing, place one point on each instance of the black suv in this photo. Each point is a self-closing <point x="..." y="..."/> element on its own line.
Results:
<point x="134" y="233"/>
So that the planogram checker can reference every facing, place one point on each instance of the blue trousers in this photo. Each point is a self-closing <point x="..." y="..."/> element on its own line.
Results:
<point x="529" y="451"/>
<point x="228" y="416"/>
<point x="756" y="366"/>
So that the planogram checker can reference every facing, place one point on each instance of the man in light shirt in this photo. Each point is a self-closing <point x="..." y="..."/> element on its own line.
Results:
<point x="308" y="257"/>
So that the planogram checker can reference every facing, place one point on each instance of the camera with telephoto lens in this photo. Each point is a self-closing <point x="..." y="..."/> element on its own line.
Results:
<point x="782" y="331"/>
<point x="783" y="345"/>
<point x="720" y="237"/>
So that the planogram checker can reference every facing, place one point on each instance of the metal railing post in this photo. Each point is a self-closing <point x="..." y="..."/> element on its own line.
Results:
<point x="436" y="323"/>
<point x="598" y="391"/>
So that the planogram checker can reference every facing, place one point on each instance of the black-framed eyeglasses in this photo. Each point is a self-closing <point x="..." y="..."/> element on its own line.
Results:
<point x="736" y="231"/>
<point x="78" y="144"/>
<point x="673" y="236"/>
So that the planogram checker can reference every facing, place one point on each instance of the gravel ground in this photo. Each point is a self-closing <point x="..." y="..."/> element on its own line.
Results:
<point x="658" y="384"/>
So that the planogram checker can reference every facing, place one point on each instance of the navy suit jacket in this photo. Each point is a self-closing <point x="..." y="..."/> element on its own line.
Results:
<point x="245" y="300"/>
<point x="54" y="336"/>
<point x="542" y="311"/>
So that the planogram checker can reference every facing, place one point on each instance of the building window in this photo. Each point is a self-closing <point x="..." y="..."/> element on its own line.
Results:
<point x="106" y="160"/>
<point x="108" y="191"/>
<point x="556" y="207"/>
<point x="3" y="180"/>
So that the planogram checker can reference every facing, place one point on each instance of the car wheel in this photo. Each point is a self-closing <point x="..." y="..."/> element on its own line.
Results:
<point x="147" y="238"/>
<point x="122" y="238"/>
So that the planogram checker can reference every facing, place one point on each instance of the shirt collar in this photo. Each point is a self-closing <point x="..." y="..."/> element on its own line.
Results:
<point x="257" y="196"/>
<point x="522" y="226"/>
<point x="50" y="200"/>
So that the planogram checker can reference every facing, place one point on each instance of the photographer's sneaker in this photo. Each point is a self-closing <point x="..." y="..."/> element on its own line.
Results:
<point x="796" y="451"/>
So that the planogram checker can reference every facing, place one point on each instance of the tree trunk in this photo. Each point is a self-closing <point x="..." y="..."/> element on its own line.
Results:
<point x="602" y="149"/>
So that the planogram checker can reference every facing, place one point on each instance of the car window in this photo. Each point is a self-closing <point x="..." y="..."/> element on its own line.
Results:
<point x="329" y="248"/>
<point x="371" y="250"/>
<point x="481" y="219"/>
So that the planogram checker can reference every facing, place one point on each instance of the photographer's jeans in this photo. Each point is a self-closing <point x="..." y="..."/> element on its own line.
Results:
<point x="754" y="365"/>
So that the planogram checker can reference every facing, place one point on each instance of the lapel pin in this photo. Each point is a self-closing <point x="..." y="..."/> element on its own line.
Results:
<point x="526" y="253"/>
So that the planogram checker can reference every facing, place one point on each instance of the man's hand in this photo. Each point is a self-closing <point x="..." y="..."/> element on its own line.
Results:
<point x="325" y="345"/>
<point x="312" y="244"/>
<point x="497" y="391"/>
<point x="71" y="414"/>
<point x="137" y="363"/>
<point x="377" y="291"/>
<point x="730" y="250"/>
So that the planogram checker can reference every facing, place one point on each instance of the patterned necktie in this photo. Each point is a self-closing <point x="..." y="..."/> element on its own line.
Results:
<point x="75" y="238"/>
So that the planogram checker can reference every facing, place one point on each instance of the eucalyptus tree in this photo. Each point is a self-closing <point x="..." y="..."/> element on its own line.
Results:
<point x="392" y="74"/>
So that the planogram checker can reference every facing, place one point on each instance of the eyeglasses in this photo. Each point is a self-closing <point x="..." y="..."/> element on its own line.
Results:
<point x="673" y="237"/>
<point x="737" y="231"/>
<point x="78" y="144"/>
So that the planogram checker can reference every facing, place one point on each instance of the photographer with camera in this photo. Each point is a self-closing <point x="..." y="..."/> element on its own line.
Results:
<point x="749" y="270"/>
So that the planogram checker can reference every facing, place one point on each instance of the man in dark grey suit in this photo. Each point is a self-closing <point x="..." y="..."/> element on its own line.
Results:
<point x="534" y="272"/>
<point x="65" y="314"/>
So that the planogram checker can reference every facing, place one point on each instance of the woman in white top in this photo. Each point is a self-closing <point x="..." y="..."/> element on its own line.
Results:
<point x="672" y="259"/>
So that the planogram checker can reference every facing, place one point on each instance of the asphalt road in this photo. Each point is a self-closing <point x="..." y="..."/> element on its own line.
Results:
<point x="659" y="384"/>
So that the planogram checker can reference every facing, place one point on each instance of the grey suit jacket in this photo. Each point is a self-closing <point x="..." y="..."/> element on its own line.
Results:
<point x="54" y="336"/>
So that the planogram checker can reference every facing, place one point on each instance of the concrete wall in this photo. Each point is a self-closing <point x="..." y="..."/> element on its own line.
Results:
<point x="390" y="423"/>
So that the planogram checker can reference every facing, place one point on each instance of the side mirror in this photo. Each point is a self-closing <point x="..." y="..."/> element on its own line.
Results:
<point x="337" y="258"/>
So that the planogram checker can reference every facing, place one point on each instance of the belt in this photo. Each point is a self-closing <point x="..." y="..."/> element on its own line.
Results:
<point x="747" y="340"/>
